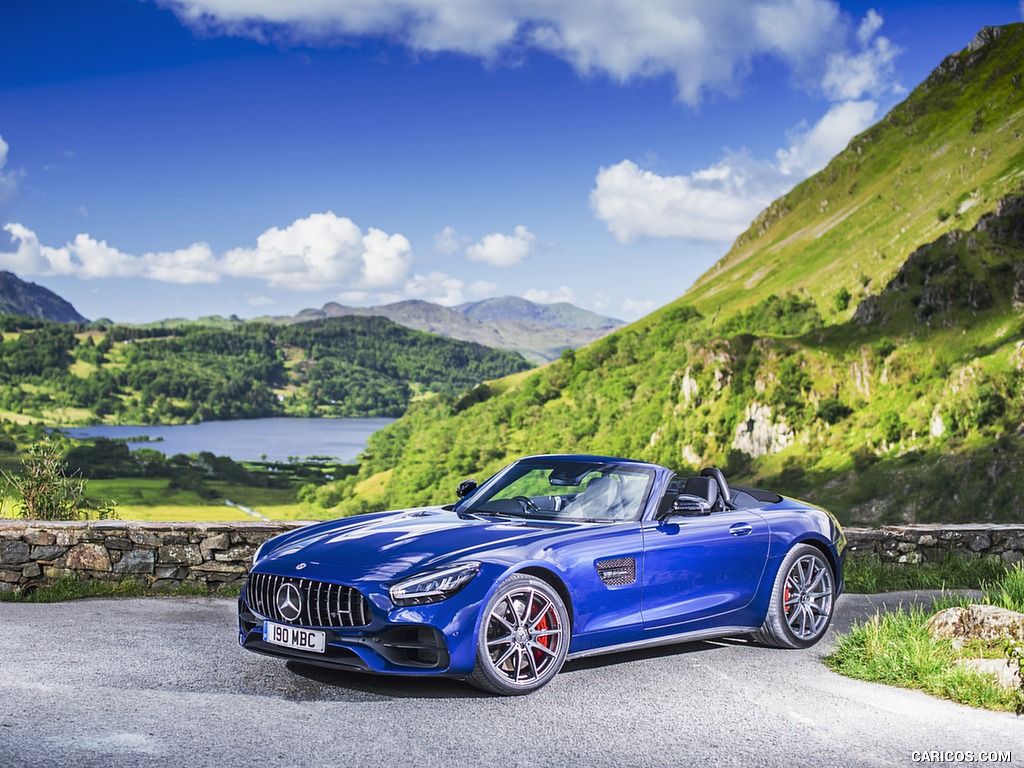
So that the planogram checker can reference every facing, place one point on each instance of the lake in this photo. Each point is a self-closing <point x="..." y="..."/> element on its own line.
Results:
<point x="247" y="439"/>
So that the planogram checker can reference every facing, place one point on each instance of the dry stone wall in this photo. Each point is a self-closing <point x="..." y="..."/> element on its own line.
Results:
<point x="217" y="555"/>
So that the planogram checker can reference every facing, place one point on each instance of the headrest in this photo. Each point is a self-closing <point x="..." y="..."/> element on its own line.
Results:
<point x="705" y="487"/>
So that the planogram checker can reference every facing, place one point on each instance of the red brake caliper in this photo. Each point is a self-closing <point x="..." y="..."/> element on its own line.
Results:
<point x="545" y="640"/>
<point x="785" y="599"/>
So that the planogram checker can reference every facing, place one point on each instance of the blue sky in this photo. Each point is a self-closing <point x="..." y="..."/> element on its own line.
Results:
<point x="178" y="158"/>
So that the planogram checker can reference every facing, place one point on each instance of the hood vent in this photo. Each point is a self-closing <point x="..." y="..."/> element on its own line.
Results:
<point x="618" y="571"/>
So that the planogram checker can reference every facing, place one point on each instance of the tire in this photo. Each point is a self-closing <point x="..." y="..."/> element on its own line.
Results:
<point x="802" y="600"/>
<point x="523" y="638"/>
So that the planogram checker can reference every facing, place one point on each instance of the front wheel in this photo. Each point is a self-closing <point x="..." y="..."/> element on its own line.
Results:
<point x="802" y="600"/>
<point x="523" y="638"/>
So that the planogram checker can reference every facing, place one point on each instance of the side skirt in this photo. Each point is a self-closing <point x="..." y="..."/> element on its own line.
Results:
<point x="682" y="637"/>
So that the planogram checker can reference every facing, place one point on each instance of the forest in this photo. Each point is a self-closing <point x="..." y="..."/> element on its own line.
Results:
<point x="348" y="367"/>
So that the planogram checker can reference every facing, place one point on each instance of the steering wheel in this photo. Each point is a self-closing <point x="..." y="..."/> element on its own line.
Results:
<point x="529" y="505"/>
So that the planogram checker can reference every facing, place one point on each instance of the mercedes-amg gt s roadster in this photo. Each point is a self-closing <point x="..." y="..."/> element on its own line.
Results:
<point x="553" y="558"/>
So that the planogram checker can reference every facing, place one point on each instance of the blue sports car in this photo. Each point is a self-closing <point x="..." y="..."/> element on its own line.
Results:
<point x="553" y="558"/>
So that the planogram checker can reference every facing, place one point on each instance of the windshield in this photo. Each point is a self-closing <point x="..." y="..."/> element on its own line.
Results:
<point x="565" y="490"/>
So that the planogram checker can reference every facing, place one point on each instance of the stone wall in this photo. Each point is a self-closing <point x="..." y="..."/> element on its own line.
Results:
<point x="160" y="555"/>
<point x="931" y="543"/>
<point x="217" y="555"/>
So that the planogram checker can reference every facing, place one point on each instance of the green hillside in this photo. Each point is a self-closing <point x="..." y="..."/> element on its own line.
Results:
<point x="861" y="345"/>
<point x="348" y="366"/>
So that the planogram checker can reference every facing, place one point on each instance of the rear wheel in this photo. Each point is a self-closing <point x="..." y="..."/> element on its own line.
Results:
<point x="802" y="600"/>
<point x="523" y="638"/>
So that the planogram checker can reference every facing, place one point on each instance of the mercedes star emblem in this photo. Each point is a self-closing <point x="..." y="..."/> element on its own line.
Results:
<point x="289" y="601"/>
<point x="300" y="566"/>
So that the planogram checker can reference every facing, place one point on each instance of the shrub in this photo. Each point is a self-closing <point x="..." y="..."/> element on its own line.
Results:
<point x="832" y="410"/>
<point x="841" y="300"/>
<point x="892" y="426"/>
<point x="47" y="491"/>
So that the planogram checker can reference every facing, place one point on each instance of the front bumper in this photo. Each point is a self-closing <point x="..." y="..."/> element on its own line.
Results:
<point x="436" y="639"/>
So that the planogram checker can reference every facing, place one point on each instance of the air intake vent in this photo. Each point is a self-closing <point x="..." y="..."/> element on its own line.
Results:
<point x="312" y="604"/>
<point x="618" y="571"/>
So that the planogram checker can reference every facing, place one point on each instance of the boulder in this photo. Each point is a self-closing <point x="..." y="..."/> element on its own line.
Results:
<point x="90" y="557"/>
<point x="1006" y="673"/>
<point x="977" y="622"/>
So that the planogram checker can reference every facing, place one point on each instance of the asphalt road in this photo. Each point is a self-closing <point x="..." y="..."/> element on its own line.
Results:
<point x="162" y="682"/>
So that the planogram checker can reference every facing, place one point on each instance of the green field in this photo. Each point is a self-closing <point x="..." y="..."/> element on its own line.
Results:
<point x="154" y="499"/>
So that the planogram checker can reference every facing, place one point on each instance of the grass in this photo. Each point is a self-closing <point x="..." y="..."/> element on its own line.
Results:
<point x="868" y="575"/>
<point x="141" y="498"/>
<point x="69" y="588"/>
<point x="896" y="649"/>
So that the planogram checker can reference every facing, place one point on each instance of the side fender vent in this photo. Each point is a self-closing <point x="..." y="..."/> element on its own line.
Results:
<point x="618" y="571"/>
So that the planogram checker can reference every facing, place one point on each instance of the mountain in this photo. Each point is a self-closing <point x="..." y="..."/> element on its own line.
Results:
<point x="506" y="309"/>
<point x="18" y="297"/>
<point x="860" y="345"/>
<point x="539" y="332"/>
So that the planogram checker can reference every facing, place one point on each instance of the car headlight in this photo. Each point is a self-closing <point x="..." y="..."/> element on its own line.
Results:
<point x="433" y="586"/>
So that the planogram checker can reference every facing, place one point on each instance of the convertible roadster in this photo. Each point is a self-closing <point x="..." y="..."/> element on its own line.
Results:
<point x="553" y="558"/>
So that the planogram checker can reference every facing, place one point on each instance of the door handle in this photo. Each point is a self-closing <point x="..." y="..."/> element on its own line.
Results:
<point x="741" y="529"/>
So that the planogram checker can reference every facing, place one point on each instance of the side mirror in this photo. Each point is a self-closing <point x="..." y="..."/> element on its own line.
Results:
<point x="688" y="505"/>
<point x="465" y="488"/>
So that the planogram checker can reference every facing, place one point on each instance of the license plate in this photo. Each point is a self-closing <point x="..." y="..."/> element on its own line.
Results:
<point x="294" y="637"/>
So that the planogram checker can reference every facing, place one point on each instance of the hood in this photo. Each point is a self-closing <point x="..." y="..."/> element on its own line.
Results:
<point x="386" y="547"/>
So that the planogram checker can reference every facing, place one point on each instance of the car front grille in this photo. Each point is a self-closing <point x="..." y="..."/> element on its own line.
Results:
<point x="320" y="604"/>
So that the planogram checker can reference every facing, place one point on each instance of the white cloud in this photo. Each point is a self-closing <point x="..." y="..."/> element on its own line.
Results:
<point x="259" y="301"/>
<point x="319" y="251"/>
<point x="712" y="204"/>
<point x="550" y="296"/>
<point x="448" y="241"/>
<point x="8" y="179"/>
<point x="718" y="202"/>
<point x="637" y="307"/>
<point x="88" y="258"/>
<point x="323" y="250"/>
<point x="483" y="288"/>
<point x="701" y="45"/>
<point x="502" y="250"/>
<point x="870" y="72"/>
<point x="436" y="287"/>
<point x="811" y="149"/>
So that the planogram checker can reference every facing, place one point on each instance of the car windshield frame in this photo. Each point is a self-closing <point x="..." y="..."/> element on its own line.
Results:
<point x="565" y="481"/>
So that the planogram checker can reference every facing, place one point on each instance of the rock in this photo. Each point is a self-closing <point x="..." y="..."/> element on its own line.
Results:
<point x="978" y="543"/>
<point x="977" y="622"/>
<point x="136" y="561"/>
<point x="143" y="538"/>
<point x="927" y="541"/>
<point x="67" y="537"/>
<point x="1011" y="557"/>
<point x="88" y="557"/>
<point x="1006" y="673"/>
<point x="757" y="436"/>
<point x="241" y="554"/>
<point x="985" y="36"/>
<point x="31" y="570"/>
<point x="180" y="553"/>
<point x="39" y="537"/>
<point x="10" y="577"/>
<point x="48" y="553"/>
<point x="219" y="542"/>
<point x="168" y="573"/>
<point x="119" y="543"/>
<point x="13" y="552"/>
